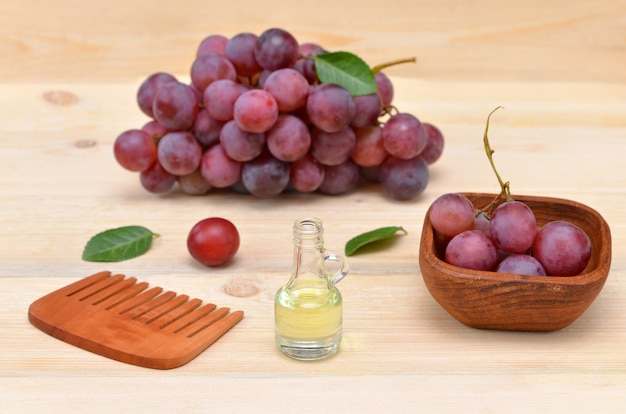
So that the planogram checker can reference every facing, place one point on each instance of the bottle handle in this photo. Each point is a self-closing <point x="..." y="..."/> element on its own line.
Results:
<point x="339" y="268"/>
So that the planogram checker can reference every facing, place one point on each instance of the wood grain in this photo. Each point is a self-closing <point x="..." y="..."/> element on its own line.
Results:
<point x="69" y="71"/>
<point x="108" y="41"/>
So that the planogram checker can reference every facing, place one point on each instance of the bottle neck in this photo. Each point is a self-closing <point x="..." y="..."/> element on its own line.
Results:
<point x="308" y="258"/>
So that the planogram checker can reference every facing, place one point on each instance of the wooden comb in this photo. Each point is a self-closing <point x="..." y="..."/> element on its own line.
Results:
<point x="121" y="319"/>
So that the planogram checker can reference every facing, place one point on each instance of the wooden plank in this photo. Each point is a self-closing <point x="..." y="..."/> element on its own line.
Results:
<point x="68" y="75"/>
<point x="112" y="41"/>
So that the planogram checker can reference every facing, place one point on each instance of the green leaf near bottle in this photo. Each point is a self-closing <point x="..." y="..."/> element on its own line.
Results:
<point x="116" y="245"/>
<point x="346" y="69"/>
<point x="369" y="237"/>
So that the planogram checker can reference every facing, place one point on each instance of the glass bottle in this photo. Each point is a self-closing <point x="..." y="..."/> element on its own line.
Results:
<point x="308" y="309"/>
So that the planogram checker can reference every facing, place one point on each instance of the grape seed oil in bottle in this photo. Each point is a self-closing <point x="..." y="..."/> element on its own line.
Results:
<point x="308" y="308"/>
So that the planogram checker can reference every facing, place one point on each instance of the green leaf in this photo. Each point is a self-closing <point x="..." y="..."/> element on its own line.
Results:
<point x="116" y="245"/>
<point x="361" y="240"/>
<point x="347" y="70"/>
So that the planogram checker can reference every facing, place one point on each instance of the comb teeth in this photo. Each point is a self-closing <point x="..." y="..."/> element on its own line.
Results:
<point x="121" y="318"/>
<point x="132" y="300"/>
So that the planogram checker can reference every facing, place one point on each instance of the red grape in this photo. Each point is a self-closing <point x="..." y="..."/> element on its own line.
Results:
<point x="367" y="110"/>
<point x="451" y="214"/>
<point x="206" y="129"/>
<point x="330" y="107"/>
<point x="179" y="153"/>
<point x="148" y="88"/>
<point x="154" y="129"/>
<point x="194" y="183"/>
<point x="135" y="150"/>
<point x="218" y="169"/>
<point x="240" y="52"/>
<point x="306" y="174"/>
<point x="481" y="223"/>
<point x="214" y="44"/>
<point x="521" y="264"/>
<point x="403" y="179"/>
<point x="403" y="136"/>
<point x="562" y="248"/>
<point x="289" y="139"/>
<point x="471" y="249"/>
<point x="220" y="96"/>
<point x="288" y="87"/>
<point x="265" y="176"/>
<point x="332" y="148"/>
<point x="307" y="66"/>
<point x="156" y="180"/>
<point x="385" y="88"/>
<point x="213" y="241"/>
<point x="255" y="111"/>
<point x="369" y="150"/>
<point x="340" y="179"/>
<point x="175" y="106"/>
<point x="241" y="145"/>
<point x="434" y="143"/>
<point x="513" y="227"/>
<point x="276" y="49"/>
<point x="210" y="67"/>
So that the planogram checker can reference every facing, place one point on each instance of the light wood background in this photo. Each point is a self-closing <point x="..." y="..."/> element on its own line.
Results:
<point x="68" y="75"/>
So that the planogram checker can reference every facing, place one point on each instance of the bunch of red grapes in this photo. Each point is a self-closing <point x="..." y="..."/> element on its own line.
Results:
<point x="508" y="240"/>
<point x="256" y="119"/>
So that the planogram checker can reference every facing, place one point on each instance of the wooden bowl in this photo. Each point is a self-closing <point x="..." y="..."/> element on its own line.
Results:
<point x="491" y="300"/>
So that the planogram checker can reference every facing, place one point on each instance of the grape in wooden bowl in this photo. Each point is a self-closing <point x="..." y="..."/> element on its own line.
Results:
<point x="505" y="301"/>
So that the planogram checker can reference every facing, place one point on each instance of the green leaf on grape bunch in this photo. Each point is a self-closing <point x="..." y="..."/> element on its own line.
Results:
<point x="347" y="70"/>
<point x="116" y="245"/>
<point x="363" y="239"/>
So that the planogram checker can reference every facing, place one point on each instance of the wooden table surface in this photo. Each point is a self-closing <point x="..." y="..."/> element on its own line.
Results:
<point x="69" y="70"/>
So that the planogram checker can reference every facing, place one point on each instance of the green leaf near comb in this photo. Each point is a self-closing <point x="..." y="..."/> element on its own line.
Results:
<point x="116" y="245"/>
<point x="361" y="240"/>
<point x="347" y="70"/>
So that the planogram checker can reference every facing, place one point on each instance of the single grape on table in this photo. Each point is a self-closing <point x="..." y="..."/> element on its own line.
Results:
<point x="213" y="241"/>
<point x="256" y="117"/>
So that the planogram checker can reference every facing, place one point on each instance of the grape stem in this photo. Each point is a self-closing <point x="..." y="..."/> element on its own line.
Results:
<point x="505" y="190"/>
<point x="388" y="110"/>
<point x="382" y="66"/>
